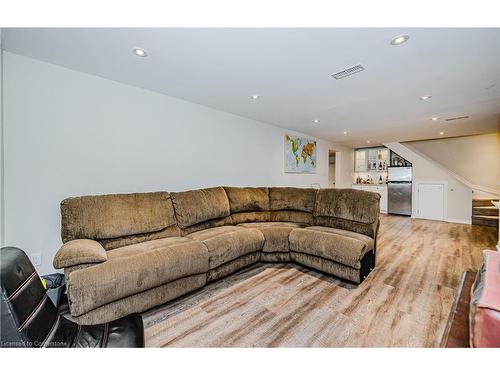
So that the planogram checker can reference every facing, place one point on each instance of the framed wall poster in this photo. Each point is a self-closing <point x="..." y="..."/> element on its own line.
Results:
<point x="300" y="154"/>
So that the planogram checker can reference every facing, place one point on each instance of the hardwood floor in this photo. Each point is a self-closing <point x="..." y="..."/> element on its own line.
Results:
<point x="404" y="302"/>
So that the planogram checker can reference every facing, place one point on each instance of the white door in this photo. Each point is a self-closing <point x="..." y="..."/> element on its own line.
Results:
<point x="431" y="201"/>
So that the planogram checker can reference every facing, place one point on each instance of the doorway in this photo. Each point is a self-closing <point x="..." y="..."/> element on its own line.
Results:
<point x="333" y="168"/>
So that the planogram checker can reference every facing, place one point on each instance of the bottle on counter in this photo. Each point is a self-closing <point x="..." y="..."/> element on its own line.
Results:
<point x="380" y="180"/>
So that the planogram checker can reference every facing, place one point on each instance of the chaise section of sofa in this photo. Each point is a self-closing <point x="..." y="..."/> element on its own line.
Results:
<point x="342" y="241"/>
<point x="127" y="253"/>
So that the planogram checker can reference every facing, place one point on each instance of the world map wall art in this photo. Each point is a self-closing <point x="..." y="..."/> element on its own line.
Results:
<point x="300" y="155"/>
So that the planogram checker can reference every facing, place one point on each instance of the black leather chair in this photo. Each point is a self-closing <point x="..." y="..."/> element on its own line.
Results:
<point x="29" y="318"/>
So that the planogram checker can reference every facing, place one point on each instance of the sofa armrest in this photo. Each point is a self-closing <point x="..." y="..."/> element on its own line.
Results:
<point x="77" y="252"/>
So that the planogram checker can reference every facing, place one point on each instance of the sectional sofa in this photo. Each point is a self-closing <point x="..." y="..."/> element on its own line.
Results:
<point x="126" y="253"/>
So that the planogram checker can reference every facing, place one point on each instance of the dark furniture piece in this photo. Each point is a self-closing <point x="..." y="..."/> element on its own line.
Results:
<point x="29" y="319"/>
<point x="456" y="334"/>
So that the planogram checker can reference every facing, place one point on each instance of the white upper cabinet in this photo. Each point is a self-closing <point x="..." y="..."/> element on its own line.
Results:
<point x="361" y="161"/>
<point x="371" y="159"/>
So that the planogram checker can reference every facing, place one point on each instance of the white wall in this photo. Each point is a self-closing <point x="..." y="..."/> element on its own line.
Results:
<point x="475" y="158"/>
<point x="459" y="196"/>
<point x="344" y="167"/>
<point x="68" y="133"/>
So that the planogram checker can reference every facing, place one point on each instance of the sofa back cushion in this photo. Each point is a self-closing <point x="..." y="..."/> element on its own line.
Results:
<point x="293" y="199"/>
<point x="248" y="199"/>
<point x="104" y="217"/>
<point x="248" y="204"/>
<point x="348" y="204"/>
<point x="292" y="204"/>
<point x="197" y="206"/>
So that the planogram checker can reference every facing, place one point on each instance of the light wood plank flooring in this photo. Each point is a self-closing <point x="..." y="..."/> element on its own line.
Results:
<point x="405" y="301"/>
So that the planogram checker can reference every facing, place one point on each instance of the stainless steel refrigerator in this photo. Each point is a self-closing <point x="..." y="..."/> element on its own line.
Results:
<point x="399" y="190"/>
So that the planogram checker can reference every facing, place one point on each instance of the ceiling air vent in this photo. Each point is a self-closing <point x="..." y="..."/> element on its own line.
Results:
<point x="348" y="72"/>
<point x="456" y="118"/>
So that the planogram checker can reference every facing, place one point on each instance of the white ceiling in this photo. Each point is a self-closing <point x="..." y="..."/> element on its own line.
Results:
<point x="291" y="70"/>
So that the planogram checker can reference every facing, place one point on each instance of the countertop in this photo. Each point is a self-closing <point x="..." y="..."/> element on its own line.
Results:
<point x="383" y="185"/>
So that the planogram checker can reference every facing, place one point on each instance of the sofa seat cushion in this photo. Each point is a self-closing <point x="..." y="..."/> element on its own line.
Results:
<point x="330" y="243"/>
<point x="228" y="242"/>
<point x="135" y="268"/>
<point x="275" y="234"/>
<point x="143" y="247"/>
<point x="368" y="240"/>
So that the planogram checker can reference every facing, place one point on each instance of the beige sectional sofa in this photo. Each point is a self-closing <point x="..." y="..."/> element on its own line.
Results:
<point x="126" y="253"/>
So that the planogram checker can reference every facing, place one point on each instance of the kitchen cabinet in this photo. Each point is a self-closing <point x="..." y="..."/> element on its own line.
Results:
<point x="383" y="198"/>
<point x="361" y="161"/>
<point x="381" y="189"/>
<point x="371" y="159"/>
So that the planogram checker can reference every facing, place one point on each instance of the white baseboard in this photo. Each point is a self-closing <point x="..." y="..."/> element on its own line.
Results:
<point x="459" y="221"/>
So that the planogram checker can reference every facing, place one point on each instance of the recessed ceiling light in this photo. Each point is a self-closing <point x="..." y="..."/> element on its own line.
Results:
<point x="255" y="97"/>
<point x="368" y="141"/>
<point x="316" y="121"/>
<point x="425" y="97"/>
<point x="345" y="133"/>
<point x="441" y="133"/>
<point x="400" y="39"/>
<point x="435" y="118"/>
<point x="139" y="52"/>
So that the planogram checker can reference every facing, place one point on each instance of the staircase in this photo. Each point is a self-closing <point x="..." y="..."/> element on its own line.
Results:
<point x="484" y="212"/>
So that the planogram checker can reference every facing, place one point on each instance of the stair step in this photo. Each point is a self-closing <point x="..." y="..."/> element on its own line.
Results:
<point x="485" y="211"/>
<point x="482" y="202"/>
<point x="490" y="221"/>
